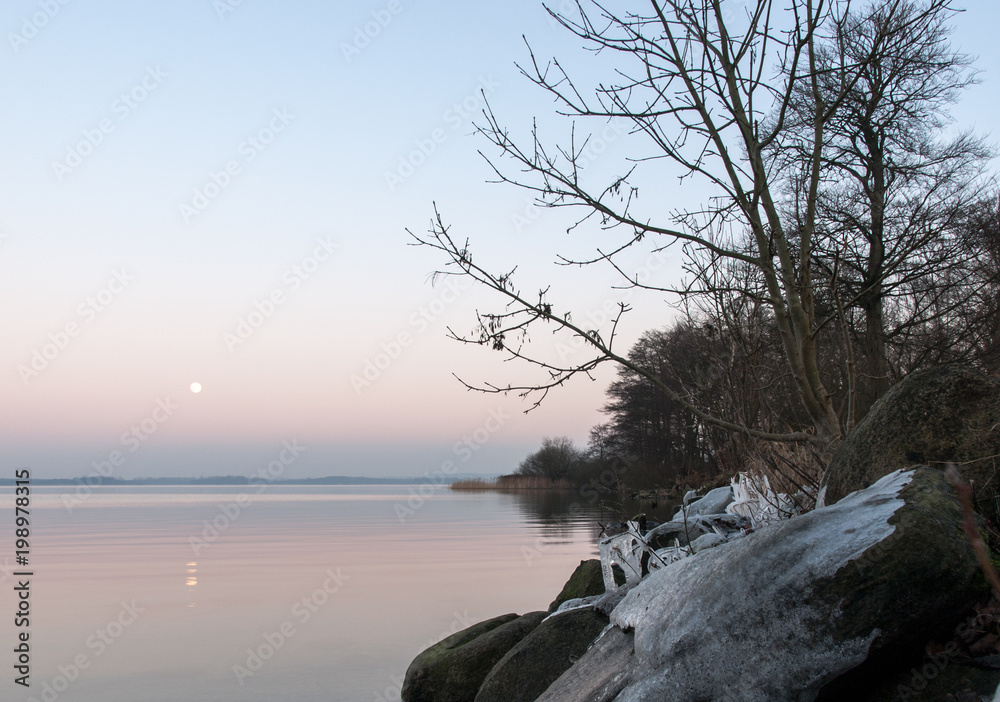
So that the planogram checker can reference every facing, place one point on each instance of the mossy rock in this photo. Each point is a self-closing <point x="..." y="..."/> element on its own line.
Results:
<point x="928" y="529"/>
<point x="948" y="413"/>
<point x="600" y="674"/>
<point x="542" y="656"/>
<point x="586" y="580"/>
<point x="453" y="669"/>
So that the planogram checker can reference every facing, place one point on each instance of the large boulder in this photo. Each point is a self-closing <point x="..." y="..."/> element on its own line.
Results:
<point x="453" y="669"/>
<point x="587" y="580"/>
<point x="948" y="413"/>
<point x="542" y="656"/>
<point x="600" y="674"/>
<point x="777" y="615"/>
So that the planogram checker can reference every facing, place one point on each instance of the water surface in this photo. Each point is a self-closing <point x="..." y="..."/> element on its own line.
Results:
<point x="318" y="593"/>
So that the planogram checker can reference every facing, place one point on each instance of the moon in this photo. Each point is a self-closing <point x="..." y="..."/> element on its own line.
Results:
<point x="195" y="387"/>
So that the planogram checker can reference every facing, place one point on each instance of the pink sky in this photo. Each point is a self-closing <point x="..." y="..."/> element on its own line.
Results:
<point x="304" y="162"/>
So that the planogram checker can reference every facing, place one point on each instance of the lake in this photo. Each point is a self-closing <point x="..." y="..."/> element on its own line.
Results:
<point x="315" y="593"/>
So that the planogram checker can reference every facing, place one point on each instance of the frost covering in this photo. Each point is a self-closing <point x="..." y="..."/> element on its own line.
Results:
<point x="695" y="620"/>
<point x="755" y="499"/>
<point x="714" y="502"/>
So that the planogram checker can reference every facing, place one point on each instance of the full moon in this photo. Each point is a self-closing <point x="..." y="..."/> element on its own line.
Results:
<point x="195" y="387"/>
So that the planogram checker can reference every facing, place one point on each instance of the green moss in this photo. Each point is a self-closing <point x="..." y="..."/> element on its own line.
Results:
<point x="431" y="655"/>
<point x="927" y="530"/>
<point x="541" y="657"/>
<point x="453" y="670"/>
<point x="587" y="580"/>
<point x="941" y="414"/>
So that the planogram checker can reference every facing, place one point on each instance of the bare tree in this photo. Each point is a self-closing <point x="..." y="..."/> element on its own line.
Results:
<point x="729" y="100"/>
<point x="507" y="332"/>
<point x="555" y="460"/>
<point x="894" y="191"/>
<point x="981" y="309"/>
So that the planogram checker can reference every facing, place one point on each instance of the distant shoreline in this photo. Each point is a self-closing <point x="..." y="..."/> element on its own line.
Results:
<point x="95" y="481"/>
<point x="506" y="483"/>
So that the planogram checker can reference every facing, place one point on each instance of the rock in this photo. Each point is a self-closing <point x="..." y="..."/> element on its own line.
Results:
<point x="580" y="602"/>
<point x="606" y="603"/>
<point x="541" y="657"/>
<point x="708" y="541"/>
<point x="697" y="525"/>
<point x="729" y="522"/>
<point x="453" y="669"/>
<point x="948" y="413"/>
<point x="664" y="535"/>
<point x="778" y="614"/>
<point x="714" y="502"/>
<point x="585" y="581"/>
<point x="599" y="675"/>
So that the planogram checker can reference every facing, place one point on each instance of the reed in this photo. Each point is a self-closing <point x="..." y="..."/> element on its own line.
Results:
<point x="474" y="484"/>
<point x="511" y="482"/>
<point x="530" y="482"/>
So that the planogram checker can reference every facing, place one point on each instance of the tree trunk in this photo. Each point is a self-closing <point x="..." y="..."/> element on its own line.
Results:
<point x="875" y="365"/>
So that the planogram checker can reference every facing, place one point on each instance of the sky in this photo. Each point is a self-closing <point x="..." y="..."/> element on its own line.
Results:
<point x="219" y="192"/>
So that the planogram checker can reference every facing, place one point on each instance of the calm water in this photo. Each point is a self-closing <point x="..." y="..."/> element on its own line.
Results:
<point x="333" y="590"/>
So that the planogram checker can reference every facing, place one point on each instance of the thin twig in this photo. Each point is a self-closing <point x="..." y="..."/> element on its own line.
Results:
<point x="969" y="525"/>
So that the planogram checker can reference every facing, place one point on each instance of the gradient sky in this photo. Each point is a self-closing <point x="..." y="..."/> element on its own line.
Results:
<point x="172" y="168"/>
